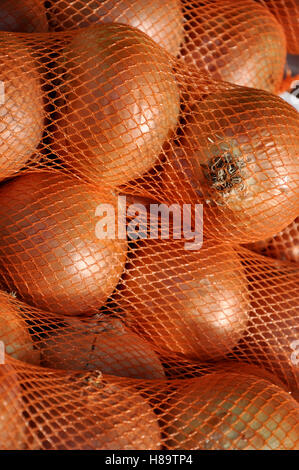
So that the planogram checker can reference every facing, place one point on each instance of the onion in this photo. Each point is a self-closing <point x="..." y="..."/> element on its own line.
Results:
<point x="239" y="42"/>
<point x="190" y="304"/>
<point x="25" y="16"/>
<point x="231" y="411"/>
<point x="239" y="156"/>
<point x="287" y="13"/>
<point x="14" y="332"/>
<point x="122" y="103"/>
<point x="21" y="110"/>
<point x="49" y="250"/>
<point x="162" y="21"/>
<point x="107" y="346"/>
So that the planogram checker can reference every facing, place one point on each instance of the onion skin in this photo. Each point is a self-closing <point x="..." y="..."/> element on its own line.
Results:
<point x="286" y="13"/>
<point x="24" y="16"/>
<point x="260" y="134"/>
<point x="13" y="434"/>
<point x="160" y="20"/>
<point x="52" y="256"/>
<point x="238" y="42"/>
<point x="114" y="417"/>
<point x="283" y="246"/>
<point x="190" y="304"/>
<point x="122" y="104"/>
<point x="230" y="411"/>
<point x="21" y="113"/>
<point x="108" y="347"/>
<point x="14" y="333"/>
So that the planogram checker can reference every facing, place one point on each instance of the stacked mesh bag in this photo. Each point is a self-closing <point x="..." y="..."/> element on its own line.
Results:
<point x="125" y="343"/>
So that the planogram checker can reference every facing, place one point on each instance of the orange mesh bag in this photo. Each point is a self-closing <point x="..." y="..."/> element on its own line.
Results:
<point x="24" y="16"/>
<point x="120" y="327"/>
<point x="286" y="12"/>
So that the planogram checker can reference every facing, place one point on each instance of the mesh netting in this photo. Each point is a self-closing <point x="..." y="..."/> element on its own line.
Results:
<point x="116" y="335"/>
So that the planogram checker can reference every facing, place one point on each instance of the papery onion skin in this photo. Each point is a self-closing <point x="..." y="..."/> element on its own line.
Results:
<point x="50" y="251"/>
